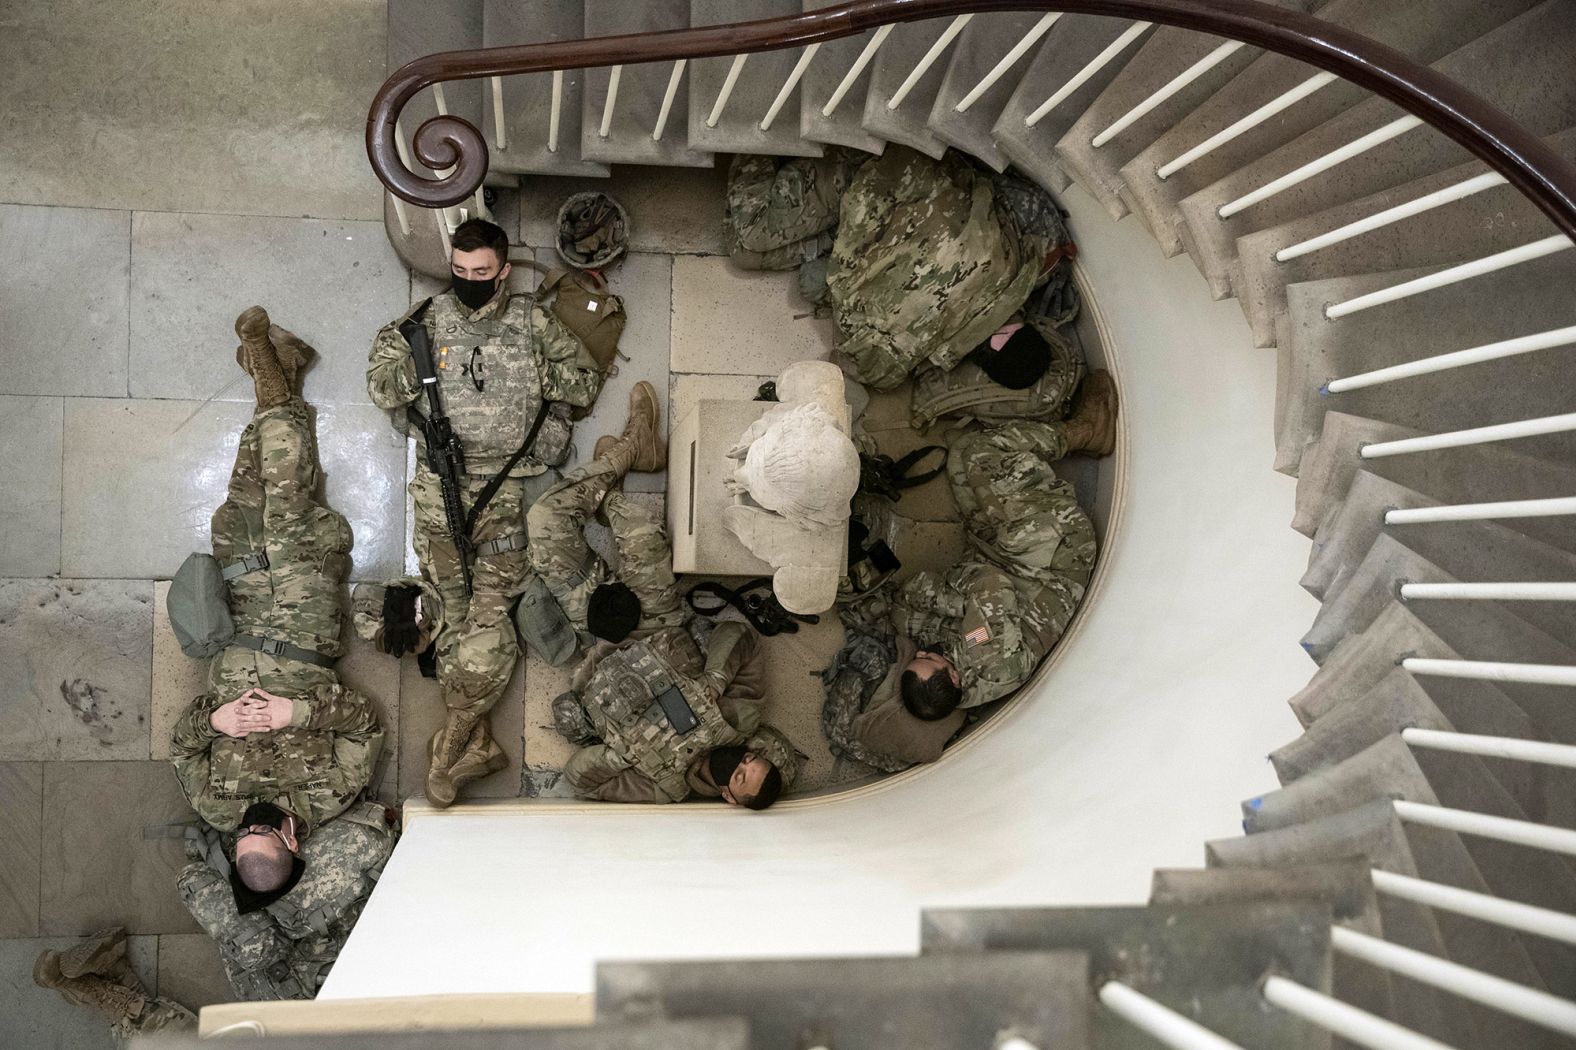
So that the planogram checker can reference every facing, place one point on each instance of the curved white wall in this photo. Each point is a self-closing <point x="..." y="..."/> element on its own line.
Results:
<point x="1151" y="727"/>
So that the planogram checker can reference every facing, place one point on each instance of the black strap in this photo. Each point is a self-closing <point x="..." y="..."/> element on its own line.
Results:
<point x="491" y="489"/>
<point x="765" y="613"/>
<point x="885" y="476"/>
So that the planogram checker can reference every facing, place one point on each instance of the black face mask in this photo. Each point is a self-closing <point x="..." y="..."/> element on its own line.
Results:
<point x="264" y="813"/>
<point x="722" y="762"/>
<point x="474" y="294"/>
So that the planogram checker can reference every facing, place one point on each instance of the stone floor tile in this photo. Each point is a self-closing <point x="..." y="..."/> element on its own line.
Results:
<point x="74" y="655"/>
<point x="644" y="282"/>
<point x="21" y="829"/>
<point x="932" y="501"/>
<point x="674" y="210"/>
<point x="191" y="972"/>
<point x="377" y="676"/>
<point x="34" y="1018"/>
<point x="101" y="870"/>
<point x="740" y="321"/>
<point x="257" y="107"/>
<point x="422" y="712"/>
<point x="65" y="330"/>
<point x="30" y="481"/>
<point x="929" y="545"/>
<point x="545" y="751"/>
<point x="334" y="284"/>
<point x="794" y="694"/>
<point x="144" y="478"/>
<point x="689" y="389"/>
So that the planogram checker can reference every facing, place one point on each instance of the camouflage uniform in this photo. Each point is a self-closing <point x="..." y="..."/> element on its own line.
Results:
<point x="158" y="1015"/>
<point x="317" y="764"/>
<point x="285" y="950"/>
<point x="522" y="354"/>
<point x="782" y="211"/>
<point x="997" y="615"/>
<point x="863" y="716"/>
<point x="926" y="265"/>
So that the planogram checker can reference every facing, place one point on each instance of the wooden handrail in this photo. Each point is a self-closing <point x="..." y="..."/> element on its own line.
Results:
<point x="1485" y="130"/>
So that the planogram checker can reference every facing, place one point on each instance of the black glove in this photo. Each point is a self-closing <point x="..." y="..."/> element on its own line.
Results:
<point x="401" y="634"/>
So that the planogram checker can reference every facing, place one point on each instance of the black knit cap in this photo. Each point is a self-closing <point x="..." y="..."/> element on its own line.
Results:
<point x="613" y="612"/>
<point x="1021" y="361"/>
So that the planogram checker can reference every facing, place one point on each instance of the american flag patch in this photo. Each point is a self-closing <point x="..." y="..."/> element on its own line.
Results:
<point x="979" y="636"/>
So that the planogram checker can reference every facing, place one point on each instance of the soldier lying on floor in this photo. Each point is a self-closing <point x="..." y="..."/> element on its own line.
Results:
<point x="277" y="746"/>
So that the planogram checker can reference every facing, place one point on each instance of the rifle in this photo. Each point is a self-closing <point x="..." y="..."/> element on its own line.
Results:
<point x="445" y="455"/>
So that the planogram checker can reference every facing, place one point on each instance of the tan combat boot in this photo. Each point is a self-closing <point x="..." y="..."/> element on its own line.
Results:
<point x="641" y="430"/>
<point x="482" y="757"/>
<point x="260" y="358"/>
<point x="1092" y="426"/>
<point x="104" y="955"/>
<point x="295" y="354"/>
<point x="444" y="752"/>
<point x="89" y="989"/>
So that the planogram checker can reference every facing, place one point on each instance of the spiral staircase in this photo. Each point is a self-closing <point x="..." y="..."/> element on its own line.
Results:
<point x="1410" y="883"/>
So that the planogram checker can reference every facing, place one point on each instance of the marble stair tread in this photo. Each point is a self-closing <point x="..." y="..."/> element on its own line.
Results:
<point x="1359" y="595"/>
<point x="1393" y="703"/>
<point x="1350" y="528"/>
<point x="928" y="1001"/>
<point x="1200" y="960"/>
<point x="528" y="99"/>
<point x="646" y="1033"/>
<point x="640" y="93"/>
<point x="844" y="125"/>
<point x="1520" y="300"/>
<point x="738" y="126"/>
<point x="1490" y="221"/>
<point x="1067" y="49"/>
<point x="1361" y="660"/>
<point x="1165" y="54"/>
<point x="1522" y="66"/>
<point x="984" y="42"/>
<point x="899" y="55"/>
<point x="1424" y="30"/>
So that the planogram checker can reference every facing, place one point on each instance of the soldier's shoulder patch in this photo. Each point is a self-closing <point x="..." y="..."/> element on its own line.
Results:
<point x="979" y="636"/>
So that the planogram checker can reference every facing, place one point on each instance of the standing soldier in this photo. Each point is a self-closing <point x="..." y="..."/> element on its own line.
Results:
<point x="495" y="375"/>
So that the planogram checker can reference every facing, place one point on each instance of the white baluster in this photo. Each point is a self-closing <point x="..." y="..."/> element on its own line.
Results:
<point x="1490" y="671"/>
<point x="1525" y="508"/>
<point x="443" y="231"/>
<point x="1493" y="746"/>
<point x="1513" y="914"/>
<point x="1426" y="202"/>
<point x="439" y="100"/>
<point x="792" y="82"/>
<point x="1525" y="344"/>
<point x="1451" y="275"/>
<point x="1476" y="436"/>
<point x="948" y="35"/>
<point x="727" y="90"/>
<point x="552" y="115"/>
<point x="401" y="215"/>
<point x="1040" y="28"/>
<point x="1160" y="1021"/>
<point x="1354" y="148"/>
<point x="1083" y="76"/>
<point x="613" y="77"/>
<point x="1175" y="84"/>
<point x="857" y="68"/>
<point x="500" y="135"/>
<point x="1247" y="123"/>
<point x="667" y="99"/>
<point x="1357" y="1026"/>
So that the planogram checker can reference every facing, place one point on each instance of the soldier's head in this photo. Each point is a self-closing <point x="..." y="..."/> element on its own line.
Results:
<point x="930" y="686"/>
<point x="478" y="261"/>
<point x="266" y="846"/>
<point x="747" y="778"/>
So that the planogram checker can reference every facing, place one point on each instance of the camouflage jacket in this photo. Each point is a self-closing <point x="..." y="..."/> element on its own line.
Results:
<point x="285" y="950"/>
<point x="782" y="211"/>
<point x="491" y="420"/>
<point x="925" y="265"/>
<point x="863" y="716"/>
<point x="314" y="767"/>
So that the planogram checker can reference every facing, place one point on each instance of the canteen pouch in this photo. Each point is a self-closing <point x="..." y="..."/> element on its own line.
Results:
<point x="199" y="607"/>
<point x="542" y="624"/>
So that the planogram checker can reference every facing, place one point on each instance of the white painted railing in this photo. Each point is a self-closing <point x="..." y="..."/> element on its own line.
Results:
<point x="500" y="131"/>
<point x="1530" y="1004"/>
<point x="667" y="99"/>
<point x="1088" y="72"/>
<point x="794" y="76"/>
<point x="1475" y="436"/>
<point x="1171" y="87"/>
<point x="843" y="86"/>
<point x="1246" y="124"/>
<point x="1008" y="60"/>
<point x="948" y="35"/>
<point x="1160" y="1021"/>
<point x="553" y="112"/>
<point x="1498" y="592"/>
<point x="1523" y="508"/>
<point x="1511" y="914"/>
<point x="1451" y="275"/>
<point x="1357" y="1026"/>
<point x="1492" y="671"/>
<point x="1388" y="216"/>
<point x="614" y="75"/>
<point x="726" y="93"/>
<point x="1355" y="148"/>
<point x="1525" y="344"/>
<point x="1502" y="829"/>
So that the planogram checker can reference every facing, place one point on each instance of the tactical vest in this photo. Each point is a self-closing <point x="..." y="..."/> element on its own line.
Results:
<point x="488" y="378"/>
<point x="967" y="391"/>
<point x="621" y="699"/>
<point x="344" y="859"/>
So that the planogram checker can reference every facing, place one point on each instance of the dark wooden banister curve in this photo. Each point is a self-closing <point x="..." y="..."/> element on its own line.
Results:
<point x="1483" y="129"/>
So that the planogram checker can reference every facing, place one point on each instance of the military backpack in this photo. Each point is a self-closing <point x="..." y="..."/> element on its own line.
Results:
<point x="966" y="391"/>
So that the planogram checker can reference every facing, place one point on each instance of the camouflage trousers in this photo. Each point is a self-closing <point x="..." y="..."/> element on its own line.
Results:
<point x="271" y="508"/>
<point x="564" y="560"/>
<point x="156" y="1016"/>
<point x="477" y="649"/>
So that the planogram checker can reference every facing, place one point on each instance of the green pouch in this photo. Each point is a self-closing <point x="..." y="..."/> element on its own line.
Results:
<point x="199" y="607"/>
<point x="542" y="624"/>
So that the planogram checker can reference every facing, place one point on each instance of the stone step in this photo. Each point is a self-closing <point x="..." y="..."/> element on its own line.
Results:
<point x="1469" y="474"/>
<point x="738" y="126"/>
<point x="844" y="127"/>
<point x="1361" y="660"/>
<point x="1162" y="57"/>
<point x="528" y="99"/>
<point x="1358" y="595"/>
<point x="527" y="1033"/>
<point x="1203" y="961"/>
<point x="1523" y="67"/>
<point x="640" y="92"/>
<point x="940" y="1001"/>
<point x="1486" y="222"/>
<point x="898" y="57"/>
<point x="1350" y="528"/>
<point x="985" y="41"/>
<point x="1067" y="49"/>
<point x="1516" y="301"/>
<point x="1424" y="30"/>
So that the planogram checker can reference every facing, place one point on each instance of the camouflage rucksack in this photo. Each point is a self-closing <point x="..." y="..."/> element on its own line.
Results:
<point x="967" y="391"/>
